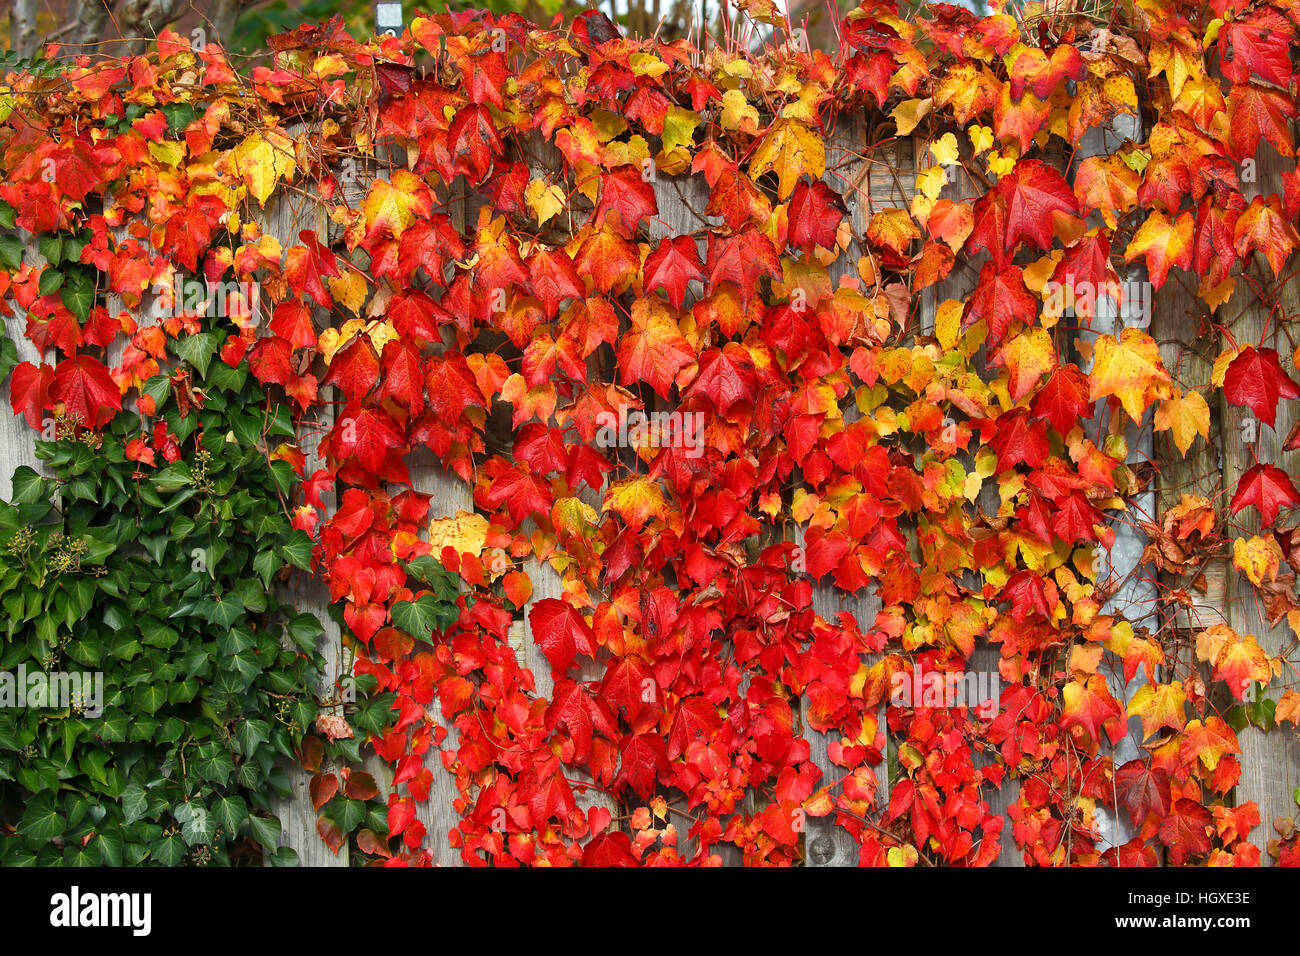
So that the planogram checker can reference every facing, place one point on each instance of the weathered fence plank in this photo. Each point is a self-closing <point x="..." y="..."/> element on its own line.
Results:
<point x="1270" y="762"/>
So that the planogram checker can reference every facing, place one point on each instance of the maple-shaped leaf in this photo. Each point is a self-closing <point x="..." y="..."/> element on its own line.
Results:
<point x="1264" y="227"/>
<point x="671" y="266"/>
<point x="307" y="264"/>
<point x="1090" y="705"/>
<point x="1020" y="440"/>
<point x="551" y="799"/>
<point x="29" y="391"/>
<point x="1143" y="790"/>
<point x="1034" y="193"/>
<point x="741" y="259"/>
<point x="474" y="141"/>
<point x="1086" y="265"/>
<point x="726" y="377"/>
<point x="367" y="434"/>
<point x="654" y="349"/>
<point x="695" y="717"/>
<point x="1186" y="831"/>
<point x="430" y="244"/>
<point x="1186" y="415"/>
<point x="523" y="493"/>
<point x="1164" y="243"/>
<point x="608" y="259"/>
<point x="1027" y="357"/>
<point x="261" y="160"/>
<point x="1257" y="43"/>
<point x="499" y="266"/>
<point x="637" y="500"/>
<point x="403" y="376"/>
<point x="1130" y="369"/>
<point x="414" y="315"/>
<point x="292" y="321"/>
<point x="1159" y="705"/>
<point x="1255" y="378"/>
<point x="392" y="206"/>
<point x="542" y="448"/>
<point x="1063" y="399"/>
<point x="560" y="632"/>
<point x="354" y="368"/>
<point x="1256" y="112"/>
<point x="582" y="715"/>
<point x="554" y="279"/>
<point x="815" y="214"/>
<point x="790" y="148"/>
<point x="1269" y="489"/>
<point x="87" y="391"/>
<point x="629" y="196"/>
<point x="1000" y="298"/>
<point x="610" y="849"/>
<point x="642" y="758"/>
<point x="1237" y="659"/>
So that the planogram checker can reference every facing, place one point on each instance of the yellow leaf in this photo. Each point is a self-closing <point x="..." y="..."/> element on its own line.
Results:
<point x="262" y="160"/>
<point x="1159" y="705"/>
<point x="466" y="532"/>
<point x="1028" y="357"/>
<point x="637" y="500"/>
<point x="1258" y="558"/>
<point x="679" y="128"/>
<point x="893" y="228"/>
<point x="647" y="64"/>
<point x="931" y="181"/>
<point x="947" y="323"/>
<point x="1186" y="415"/>
<point x="544" y="200"/>
<point x="910" y="112"/>
<point x="1221" y="366"/>
<point x="349" y="288"/>
<point x="944" y="150"/>
<point x="790" y="148"/>
<point x="737" y="113"/>
<point x="1130" y="369"/>
<point x="391" y="205"/>
<point x="169" y="153"/>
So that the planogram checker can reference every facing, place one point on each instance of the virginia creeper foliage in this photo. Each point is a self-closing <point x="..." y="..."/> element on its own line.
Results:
<point x="491" y="280"/>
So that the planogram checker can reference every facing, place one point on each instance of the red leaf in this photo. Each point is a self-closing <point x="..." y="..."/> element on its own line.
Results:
<point x="627" y="194"/>
<point x="29" y="391"/>
<point x="815" y="214"/>
<point x="1000" y="298"/>
<point x="1255" y="379"/>
<point x="323" y="788"/>
<point x="609" y="849"/>
<point x="1269" y="489"/>
<point x="1186" y="831"/>
<point x="561" y="633"/>
<point x="644" y="756"/>
<point x="1063" y="399"/>
<point x="86" y="390"/>
<point x="1142" y="789"/>
<point x="670" y="267"/>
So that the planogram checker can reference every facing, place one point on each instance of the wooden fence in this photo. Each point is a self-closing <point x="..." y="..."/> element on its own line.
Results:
<point x="871" y="177"/>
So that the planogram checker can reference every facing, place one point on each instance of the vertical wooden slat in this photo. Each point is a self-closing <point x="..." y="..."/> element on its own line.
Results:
<point x="448" y="496"/>
<point x="868" y="181"/>
<point x="286" y="216"/>
<point x="1270" y="762"/>
<point x="17" y="438"/>
<point x="1135" y="595"/>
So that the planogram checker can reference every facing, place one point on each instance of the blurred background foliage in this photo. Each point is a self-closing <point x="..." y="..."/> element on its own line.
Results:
<point x="243" y="26"/>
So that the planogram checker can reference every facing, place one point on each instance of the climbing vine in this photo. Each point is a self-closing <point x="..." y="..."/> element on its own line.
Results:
<point x="698" y="430"/>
